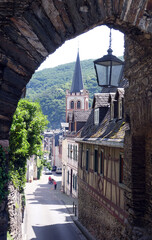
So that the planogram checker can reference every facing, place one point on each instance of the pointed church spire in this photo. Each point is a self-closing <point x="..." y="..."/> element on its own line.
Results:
<point x="77" y="83"/>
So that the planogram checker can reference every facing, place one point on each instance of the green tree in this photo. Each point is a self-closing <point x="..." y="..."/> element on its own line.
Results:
<point x="25" y="138"/>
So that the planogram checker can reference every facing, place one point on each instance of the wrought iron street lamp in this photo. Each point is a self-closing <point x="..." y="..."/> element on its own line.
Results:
<point x="109" y="69"/>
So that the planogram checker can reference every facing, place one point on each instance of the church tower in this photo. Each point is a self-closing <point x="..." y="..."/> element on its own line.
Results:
<point x="77" y="99"/>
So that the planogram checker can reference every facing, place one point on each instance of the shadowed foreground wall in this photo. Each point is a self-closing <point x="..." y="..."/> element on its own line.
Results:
<point x="31" y="30"/>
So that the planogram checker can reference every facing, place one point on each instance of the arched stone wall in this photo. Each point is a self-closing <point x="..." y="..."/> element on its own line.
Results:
<point x="31" y="30"/>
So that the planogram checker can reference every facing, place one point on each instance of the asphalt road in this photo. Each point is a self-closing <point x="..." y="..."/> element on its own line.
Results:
<point x="46" y="216"/>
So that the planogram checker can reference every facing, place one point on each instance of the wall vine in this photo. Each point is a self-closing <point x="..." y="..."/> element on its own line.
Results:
<point x="4" y="174"/>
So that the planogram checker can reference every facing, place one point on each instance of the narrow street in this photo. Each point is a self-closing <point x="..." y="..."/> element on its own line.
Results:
<point x="46" y="216"/>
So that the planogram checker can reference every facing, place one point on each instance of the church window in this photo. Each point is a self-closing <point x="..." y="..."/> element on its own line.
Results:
<point x="78" y="104"/>
<point x="72" y="104"/>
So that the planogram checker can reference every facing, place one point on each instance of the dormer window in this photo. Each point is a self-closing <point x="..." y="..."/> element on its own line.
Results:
<point x="112" y="111"/>
<point x="118" y="104"/>
<point x="120" y="109"/>
<point x="72" y="104"/>
<point x="115" y="109"/>
<point x="78" y="104"/>
<point x="96" y="116"/>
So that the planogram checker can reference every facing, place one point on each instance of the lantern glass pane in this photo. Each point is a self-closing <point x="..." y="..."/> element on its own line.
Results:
<point x="116" y="74"/>
<point x="103" y="73"/>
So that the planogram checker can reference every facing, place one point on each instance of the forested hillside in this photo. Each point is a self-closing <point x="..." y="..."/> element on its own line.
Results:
<point x="49" y="85"/>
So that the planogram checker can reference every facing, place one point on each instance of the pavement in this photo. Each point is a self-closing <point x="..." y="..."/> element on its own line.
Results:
<point x="70" y="203"/>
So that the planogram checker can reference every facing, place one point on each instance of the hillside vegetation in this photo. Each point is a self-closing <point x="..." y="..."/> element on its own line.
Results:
<point x="49" y="85"/>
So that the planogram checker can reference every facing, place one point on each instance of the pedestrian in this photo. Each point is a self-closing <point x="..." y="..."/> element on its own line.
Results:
<point x="50" y="179"/>
<point x="55" y="185"/>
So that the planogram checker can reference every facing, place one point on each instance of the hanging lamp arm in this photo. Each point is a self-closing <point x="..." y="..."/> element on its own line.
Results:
<point x="110" y="41"/>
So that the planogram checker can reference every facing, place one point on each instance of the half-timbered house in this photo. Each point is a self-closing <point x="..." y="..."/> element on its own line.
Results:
<point x="100" y="173"/>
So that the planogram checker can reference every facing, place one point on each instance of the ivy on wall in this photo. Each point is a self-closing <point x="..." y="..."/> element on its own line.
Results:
<point x="4" y="174"/>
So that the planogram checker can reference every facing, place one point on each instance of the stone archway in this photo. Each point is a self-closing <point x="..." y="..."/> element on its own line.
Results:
<point x="31" y="30"/>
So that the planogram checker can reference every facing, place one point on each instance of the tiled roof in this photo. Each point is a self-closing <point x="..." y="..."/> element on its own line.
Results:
<point x="81" y="116"/>
<point x="107" y="130"/>
<point x="100" y="100"/>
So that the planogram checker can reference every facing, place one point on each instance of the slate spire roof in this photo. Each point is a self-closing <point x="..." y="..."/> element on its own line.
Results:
<point x="77" y="83"/>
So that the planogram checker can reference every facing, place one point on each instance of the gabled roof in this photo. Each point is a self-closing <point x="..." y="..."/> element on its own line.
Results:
<point x="108" y="132"/>
<point x="78" y="116"/>
<point x="81" y="116"/>
<point x="111" y="97"/>
<point x="120" y="93"/>
<point x="77" y="84"/>
<point x="100" y="100"/>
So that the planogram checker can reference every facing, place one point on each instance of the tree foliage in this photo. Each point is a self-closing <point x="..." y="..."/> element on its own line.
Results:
<point x="49" y="86"/>
<point x="25" y="138"/>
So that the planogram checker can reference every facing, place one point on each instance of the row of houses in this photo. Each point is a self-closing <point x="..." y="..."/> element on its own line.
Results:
<point x="92" y="156"/>
<point x="91" y="153"/>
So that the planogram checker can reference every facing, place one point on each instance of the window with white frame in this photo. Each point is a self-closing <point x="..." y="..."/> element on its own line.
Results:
<point x="68" y="177"/>
<point x="70" y="150"/>
<point x="76" y="182"/>
<point x="95" y="160"/>
<point x="120" y="109"/>
<point x="75" y="152"/>
<point x="96" y="116"/>
<point x="87" y="159"/>
<point x="112" y="111"/>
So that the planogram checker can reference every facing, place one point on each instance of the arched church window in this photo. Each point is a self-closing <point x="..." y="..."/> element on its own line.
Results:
<point x="78" y="104"/>
<point x="72" y="104"/>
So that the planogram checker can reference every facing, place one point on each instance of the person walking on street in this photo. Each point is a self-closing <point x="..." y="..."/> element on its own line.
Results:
<point x="55" y="185"/>
<point x="50" y="179"/>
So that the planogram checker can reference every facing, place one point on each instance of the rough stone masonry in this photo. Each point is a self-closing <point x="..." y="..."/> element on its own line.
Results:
<point x="31" y="30"/>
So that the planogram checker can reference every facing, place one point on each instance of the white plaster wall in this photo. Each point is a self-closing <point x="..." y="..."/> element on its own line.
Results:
<point x="72" y="164"/>
<point x="64" y="164"/>
<point x="75" y="99"/>
<point x="58" y="160"/>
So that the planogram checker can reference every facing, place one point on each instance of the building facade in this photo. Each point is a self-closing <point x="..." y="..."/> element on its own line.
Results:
<point x="77" y="112"/>
<point x="101" y="168"/>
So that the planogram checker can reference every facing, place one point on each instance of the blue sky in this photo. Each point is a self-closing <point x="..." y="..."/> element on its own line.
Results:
<point x="92" y="45"/>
